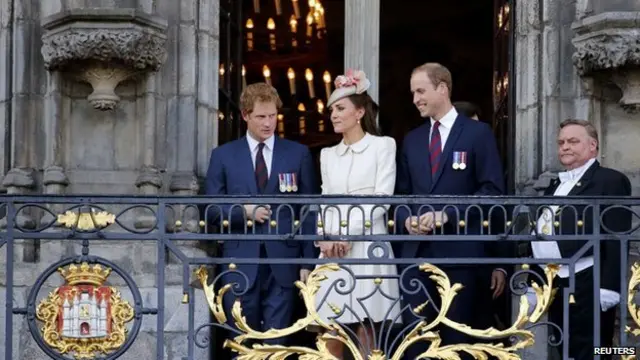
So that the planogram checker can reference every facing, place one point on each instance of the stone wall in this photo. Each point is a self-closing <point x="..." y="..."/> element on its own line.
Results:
<point x="156" y="141"/>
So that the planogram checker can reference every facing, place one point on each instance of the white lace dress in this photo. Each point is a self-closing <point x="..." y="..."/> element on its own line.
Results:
<point x="367" y="167"/>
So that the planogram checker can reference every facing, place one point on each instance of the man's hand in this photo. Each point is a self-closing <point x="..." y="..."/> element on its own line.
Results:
<point x="429" y="220"/>
<point x="304" y="275"/>
<point x="498" y="282"/>
<point x="262" y="212"/>
<point x="409" y="224"/>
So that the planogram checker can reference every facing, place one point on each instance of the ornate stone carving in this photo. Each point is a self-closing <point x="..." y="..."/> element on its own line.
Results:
<point x="104" y="47"/>
<point x="608" y="45"/>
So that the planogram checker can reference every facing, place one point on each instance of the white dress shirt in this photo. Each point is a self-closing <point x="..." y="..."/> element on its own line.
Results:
<point x="446" y="123"/>
<point x="267" y="151"/>
<point x="550" y="250"/>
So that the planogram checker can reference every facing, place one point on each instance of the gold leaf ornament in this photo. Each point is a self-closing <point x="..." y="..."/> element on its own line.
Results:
<point x="634" y="312"/>
<point x="423" y="331"/>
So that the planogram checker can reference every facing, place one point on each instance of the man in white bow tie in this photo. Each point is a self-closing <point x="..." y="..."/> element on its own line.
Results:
<point x="583" y="176"/>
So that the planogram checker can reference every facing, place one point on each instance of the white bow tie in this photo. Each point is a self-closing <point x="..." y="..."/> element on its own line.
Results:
<point x="567" y="176"/>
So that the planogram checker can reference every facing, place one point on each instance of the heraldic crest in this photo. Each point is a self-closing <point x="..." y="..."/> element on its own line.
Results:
<point x="84" y="318"/>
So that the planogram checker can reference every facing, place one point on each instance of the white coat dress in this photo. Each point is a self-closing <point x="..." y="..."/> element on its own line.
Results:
<point x="367" y="167"/>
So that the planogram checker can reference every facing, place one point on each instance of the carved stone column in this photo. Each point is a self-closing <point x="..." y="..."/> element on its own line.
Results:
<point x="185" y="184"/>
<point x="103" y="47"/>
<point x="149" y="182"/>
<point x="362" y="40"/>
<point x="20" y="180"/>
<point x="607" y="49"/>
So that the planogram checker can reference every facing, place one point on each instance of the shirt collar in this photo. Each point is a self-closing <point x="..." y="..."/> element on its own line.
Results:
<point x="448" y="119"/>
<point x="575" y="174"/>
<point x="358" y="147"/>
<point x="253" y="143"/>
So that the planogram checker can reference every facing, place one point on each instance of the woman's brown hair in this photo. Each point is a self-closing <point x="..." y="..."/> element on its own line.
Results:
<point x="368" y="121"/>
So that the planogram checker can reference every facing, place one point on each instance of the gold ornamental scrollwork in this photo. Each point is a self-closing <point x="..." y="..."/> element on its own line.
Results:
<point x="86" y="221"/>
<point x="634" y="281"/>
<point x="423" y="331"/>
<point x="83" y="318"/>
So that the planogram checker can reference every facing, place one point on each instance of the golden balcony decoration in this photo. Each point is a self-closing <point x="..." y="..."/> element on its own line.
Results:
<point x="74" y="333"/>
<point x="423" y="331"/>
<point x="86" y="221"/>
<point x="634" y="281"/>
<point x="632" y="307"/>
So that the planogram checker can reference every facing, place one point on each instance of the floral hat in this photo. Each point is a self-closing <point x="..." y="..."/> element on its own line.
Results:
<point x="353" y="82"/>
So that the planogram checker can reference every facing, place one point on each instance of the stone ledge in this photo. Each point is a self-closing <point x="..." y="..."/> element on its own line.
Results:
<point x="123" y="35"/>
<point x="104" y="47"/>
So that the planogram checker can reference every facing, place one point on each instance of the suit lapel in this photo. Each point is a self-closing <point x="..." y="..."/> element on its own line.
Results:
<point x="454" y="134"/>
<point x="582" y="185"/>
<point x="277" y="164"/>
<point x="244" y="160"/>
<point x="549" y="191"/>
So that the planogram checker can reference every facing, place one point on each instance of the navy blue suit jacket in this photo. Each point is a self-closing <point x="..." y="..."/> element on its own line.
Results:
<point x="482" y="176"/>
<point x="231" y="172"/>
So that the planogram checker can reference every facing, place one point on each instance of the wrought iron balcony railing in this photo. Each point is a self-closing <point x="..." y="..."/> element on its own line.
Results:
<point x="84" y="302"/>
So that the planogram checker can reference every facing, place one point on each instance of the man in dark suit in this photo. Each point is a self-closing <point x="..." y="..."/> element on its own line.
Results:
<point x="449" y="155"/>
<point x="583" y="176"/>
<point x="259" y="164"/>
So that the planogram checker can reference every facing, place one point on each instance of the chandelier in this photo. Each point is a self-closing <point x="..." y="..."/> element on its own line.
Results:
<point x="285" y="45"/>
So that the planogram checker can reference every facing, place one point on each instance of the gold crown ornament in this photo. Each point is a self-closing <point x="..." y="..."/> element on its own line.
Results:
<point x="85" y="274"/>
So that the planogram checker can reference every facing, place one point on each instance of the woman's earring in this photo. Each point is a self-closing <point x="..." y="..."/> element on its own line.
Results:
<point x="358" y="121"/>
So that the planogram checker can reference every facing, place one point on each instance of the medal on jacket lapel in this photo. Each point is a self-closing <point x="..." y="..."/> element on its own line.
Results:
<point x="289" y="182"/>
<point x="282" y="182"/>
<point x="456" y="160"/>
<point x="294" y="183"/>
<point x="463" y="160"/>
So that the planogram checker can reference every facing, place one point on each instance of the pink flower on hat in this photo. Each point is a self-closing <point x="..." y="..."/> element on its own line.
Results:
<point x="353" y="78"/>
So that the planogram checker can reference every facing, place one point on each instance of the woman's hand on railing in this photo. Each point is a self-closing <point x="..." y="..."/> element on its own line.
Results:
<point x="326" y="248"/>
<point x="334" y="249"/>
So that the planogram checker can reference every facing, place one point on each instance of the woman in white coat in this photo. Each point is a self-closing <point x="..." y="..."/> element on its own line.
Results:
<point x="363" y="163"/>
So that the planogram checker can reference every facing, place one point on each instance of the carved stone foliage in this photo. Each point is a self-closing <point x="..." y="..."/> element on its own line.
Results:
<point x="104" y="47"/>
<point x="608" y="46"/>
<point x="132" y="47"/>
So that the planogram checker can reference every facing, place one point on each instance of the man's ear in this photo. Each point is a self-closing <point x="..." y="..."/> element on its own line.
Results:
<point x="442" y="88"/>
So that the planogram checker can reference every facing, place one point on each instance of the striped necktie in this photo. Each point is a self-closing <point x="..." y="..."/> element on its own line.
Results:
<point x="262" y="174"/>
<point x="435" y="149"/>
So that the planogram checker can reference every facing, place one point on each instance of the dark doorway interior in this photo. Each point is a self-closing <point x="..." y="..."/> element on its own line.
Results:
<point x="456" y="33"/>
